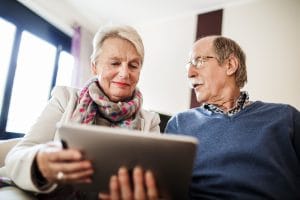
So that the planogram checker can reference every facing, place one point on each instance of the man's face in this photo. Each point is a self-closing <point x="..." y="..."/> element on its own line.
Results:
<point x="209" y="78"/>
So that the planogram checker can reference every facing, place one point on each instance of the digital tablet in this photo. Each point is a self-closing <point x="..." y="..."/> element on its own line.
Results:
<point x="169" y="157"/>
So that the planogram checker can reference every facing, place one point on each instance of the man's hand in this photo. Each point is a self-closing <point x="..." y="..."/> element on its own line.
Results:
<point x="144" y="186"/>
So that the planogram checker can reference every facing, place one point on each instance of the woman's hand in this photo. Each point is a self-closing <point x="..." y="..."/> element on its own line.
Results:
<point x="143" y="186"/>
<point x="63" y="165"/>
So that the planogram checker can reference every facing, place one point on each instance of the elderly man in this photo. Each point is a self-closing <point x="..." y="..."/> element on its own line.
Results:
<point x="248" y="149"/>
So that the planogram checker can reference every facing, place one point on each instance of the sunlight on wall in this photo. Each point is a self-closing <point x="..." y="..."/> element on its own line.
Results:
<point x="268" y="31"/>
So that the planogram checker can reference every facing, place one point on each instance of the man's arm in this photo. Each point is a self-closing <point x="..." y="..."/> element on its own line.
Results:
<point x="171" y="126"/>
<point x="296" y="117"/>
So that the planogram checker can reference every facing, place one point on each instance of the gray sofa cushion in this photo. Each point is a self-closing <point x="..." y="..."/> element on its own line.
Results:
<point x="5" y="146"/>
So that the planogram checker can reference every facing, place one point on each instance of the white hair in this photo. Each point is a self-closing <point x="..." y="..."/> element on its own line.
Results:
<point x="119" y="31"/>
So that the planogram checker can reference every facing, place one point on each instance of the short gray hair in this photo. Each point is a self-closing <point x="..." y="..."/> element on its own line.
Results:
<point x="117" y="31"/>
<point x="224" y="47"/>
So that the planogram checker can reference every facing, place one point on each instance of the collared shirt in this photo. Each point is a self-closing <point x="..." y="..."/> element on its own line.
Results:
<point x="241" y="103"/>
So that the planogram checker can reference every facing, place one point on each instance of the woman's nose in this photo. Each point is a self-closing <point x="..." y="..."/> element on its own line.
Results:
<point x="123" y="71"/>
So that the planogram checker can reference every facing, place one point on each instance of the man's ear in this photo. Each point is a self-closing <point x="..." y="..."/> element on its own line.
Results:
<point x="93" y="68"/>
<point x="232" y="65"/>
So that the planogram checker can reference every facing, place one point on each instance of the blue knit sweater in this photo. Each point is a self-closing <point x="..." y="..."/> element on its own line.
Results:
<point x="254" y="154"/>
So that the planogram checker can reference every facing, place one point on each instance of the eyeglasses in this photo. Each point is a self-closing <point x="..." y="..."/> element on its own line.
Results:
<point x="198" y="62"/>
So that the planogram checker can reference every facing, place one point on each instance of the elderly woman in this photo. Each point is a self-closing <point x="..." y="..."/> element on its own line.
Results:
<point x="39" y="164"/>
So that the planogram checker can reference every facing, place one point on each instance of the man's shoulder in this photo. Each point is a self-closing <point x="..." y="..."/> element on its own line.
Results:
<point x="273" y="110"/>
<point x="191" y="111"/>
<point x="182" y="121"/>
<point x="274" y="106"/>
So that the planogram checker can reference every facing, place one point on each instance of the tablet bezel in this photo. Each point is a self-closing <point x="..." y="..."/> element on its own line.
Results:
<point x="170" y="157"/>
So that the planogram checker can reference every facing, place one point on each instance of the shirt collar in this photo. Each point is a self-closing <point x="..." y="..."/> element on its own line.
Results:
<point x="241" y="103"/>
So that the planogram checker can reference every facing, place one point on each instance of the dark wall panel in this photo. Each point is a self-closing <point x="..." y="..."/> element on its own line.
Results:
<point x="208" y="24"/>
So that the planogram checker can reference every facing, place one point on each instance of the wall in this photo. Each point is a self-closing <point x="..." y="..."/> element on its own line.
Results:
<point x="268" y="31"/>
<point x="163" y="80"/>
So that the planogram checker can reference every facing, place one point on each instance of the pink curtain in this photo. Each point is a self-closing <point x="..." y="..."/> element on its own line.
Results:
<point x="75" y="51"/>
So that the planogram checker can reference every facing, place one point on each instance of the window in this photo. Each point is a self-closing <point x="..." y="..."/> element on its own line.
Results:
<point x="31" y="82"/>
<point x="65" y="69"/>
<point x="7" y="32"/>
<point x="34" y="57"/>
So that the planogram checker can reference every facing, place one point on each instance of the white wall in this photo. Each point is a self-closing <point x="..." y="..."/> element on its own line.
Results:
<point x="163" y="80"/>
<point x="268" y="31"/>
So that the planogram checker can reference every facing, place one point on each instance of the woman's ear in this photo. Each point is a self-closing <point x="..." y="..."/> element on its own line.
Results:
<point x="93" y="68"/>
<point x="232" y="66"/>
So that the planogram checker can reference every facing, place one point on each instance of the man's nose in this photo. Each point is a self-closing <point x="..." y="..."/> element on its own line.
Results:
<point x="192" y="71"/>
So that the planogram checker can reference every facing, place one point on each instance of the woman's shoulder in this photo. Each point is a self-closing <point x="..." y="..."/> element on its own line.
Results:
<point x="63" y="91"/>
<point x="150" y="116"/>
<point x="147" y="114"/>
<point x="63" y="95"/>
<point x="150" y="120"/>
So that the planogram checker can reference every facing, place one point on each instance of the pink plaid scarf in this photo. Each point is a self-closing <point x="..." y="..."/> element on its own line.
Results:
<point x="94" y="107"/>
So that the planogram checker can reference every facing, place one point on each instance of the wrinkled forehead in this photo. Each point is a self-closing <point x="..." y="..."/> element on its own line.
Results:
<point x="203" y="47"/>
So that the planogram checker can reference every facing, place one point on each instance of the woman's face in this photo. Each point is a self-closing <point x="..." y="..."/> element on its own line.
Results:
<point x="118" y="68"/>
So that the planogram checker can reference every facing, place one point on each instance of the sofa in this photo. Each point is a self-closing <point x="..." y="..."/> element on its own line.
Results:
<point x="5" y="146"/>
<point x="9" y="192"/>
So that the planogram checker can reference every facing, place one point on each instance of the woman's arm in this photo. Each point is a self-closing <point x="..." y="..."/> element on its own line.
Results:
<point x="19" y="161"/>
<point x="151" y="121"/>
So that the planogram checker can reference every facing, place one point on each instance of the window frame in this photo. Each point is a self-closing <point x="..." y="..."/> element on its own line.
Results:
<point x="24" y="19"/>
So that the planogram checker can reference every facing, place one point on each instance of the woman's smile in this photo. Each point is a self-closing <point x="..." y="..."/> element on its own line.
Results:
<point x="120" y="84"/>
